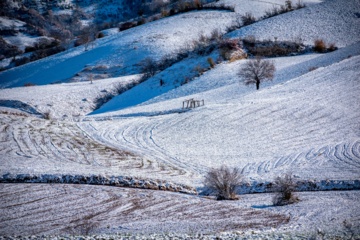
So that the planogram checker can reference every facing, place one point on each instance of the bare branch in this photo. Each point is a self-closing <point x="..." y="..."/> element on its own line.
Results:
<point x="256" y="71"/>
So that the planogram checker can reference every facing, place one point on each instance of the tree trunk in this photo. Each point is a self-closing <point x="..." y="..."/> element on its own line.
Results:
<point x="257" y="84"/>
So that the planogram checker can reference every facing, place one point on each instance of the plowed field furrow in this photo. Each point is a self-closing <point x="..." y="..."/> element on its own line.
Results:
<point x="51" y="144"/>
<point x="143" y="207"/>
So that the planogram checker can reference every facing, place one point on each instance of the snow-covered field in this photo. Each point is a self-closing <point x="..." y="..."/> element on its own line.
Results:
<point x="305" y="122"/>
<point x="94" y="210"/>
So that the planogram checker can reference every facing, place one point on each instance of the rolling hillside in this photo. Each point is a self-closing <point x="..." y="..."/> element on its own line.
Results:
<point x="304" y="122"/>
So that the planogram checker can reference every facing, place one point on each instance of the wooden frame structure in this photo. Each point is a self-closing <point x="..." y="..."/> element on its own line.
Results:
<point x="192" y="103"/>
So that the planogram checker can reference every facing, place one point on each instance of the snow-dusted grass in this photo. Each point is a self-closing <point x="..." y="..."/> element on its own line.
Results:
<point x="128" y="48"/>
<point x="111" y="210"/>
<point x="307" y="126"/>
<point x="305" y="122"/>
<point x="131" y="212"/>
<point x="334" y="21"/>
<point x="258" y="7"/>
<point x="67" y="100"/>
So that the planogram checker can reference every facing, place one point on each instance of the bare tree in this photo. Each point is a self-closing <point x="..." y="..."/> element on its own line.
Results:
<point x="285" y="188"/>
<point x="87" y="36"/>
<point x="256" y="71"/>
<point x="224" y="181"/>
<point x="148" y="67"/>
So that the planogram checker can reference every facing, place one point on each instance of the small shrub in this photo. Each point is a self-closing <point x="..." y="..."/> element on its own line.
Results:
<point x="29" y="49"/>
<point x="248" y="19"/>
<point x="126" y="25"/>
<point x="172" y="12"/>
<point x="288" y="5"/>
<point x="141" y="21"/>
<point x="100" y="35"/>
<point x="237" y="55"/>
<point x="215" y="35"/>
<point x="199" y="69"/>
<point x="47" y="115"/>
<point x="250" y="40"/>
<point x="149" y="67"/>
<point x="29" y="84"/>
<point x="211" y="62"/>
<point x="197" y="4"/>
<point x="332" y="47"/>
<point x="22" y="61"/>
<point x="224" y="182"/>
<point x="312" y="69"/>
<point x="319" y="46"/>
<point x="227" y="47"/>
<point x="285" y="187"/>
<point x="164" y="13"/>
<point x="300" y="4"/>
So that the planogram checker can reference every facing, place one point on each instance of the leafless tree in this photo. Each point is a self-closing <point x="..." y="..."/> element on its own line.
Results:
<point x="224" y="181"/>
<point x="256" y="71"/>
<point x="285" y="187"/>
<point x="87" y="36"/>
<point x="148" y="67"/>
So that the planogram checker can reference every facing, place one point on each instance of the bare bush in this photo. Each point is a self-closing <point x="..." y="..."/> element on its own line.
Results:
<point x="211" y="62"/>
<point x="319" y="45"/>
<point x="248" y="19"/>
<point x="228" y="46"/>
<point x="285" y="188"/>
<point x="127" y="25"/>
<point x="87" y="36"/>
<point x="47" y="115"/>
<point x="256" y="71"/>
<point x="148" y="67"/>
<point x="331" y="47"/>
<point x="224" y="181"/>
<point x="216" y="35"/>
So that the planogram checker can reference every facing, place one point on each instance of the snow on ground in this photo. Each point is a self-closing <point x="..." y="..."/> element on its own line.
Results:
<point x="22" y="40"/>
<point x="6" y="23"/>
<point x="300" y="125"/>
<point x="111" y="210"/>
<point x="333" y="21"/>
<point x="67" y="100"/>
<point x="128" y="48"/>
<point x="258" y="7"/>
<point x="304" y="122"/>
<point x="222" y="75"/>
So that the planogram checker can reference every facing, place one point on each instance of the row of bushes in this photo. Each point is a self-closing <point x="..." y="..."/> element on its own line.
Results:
<point x="38" y="54"/>
<point x="283" y="9"/>
<point x="268" y="48"/>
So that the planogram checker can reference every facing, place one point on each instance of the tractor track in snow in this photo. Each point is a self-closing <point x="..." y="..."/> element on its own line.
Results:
<point x="48" y="146"/>
<point x="312" y="132"/>
<point x="82" y="209"/>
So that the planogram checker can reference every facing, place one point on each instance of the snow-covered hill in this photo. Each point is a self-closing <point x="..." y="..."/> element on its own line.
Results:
<point x="304" y="122"/>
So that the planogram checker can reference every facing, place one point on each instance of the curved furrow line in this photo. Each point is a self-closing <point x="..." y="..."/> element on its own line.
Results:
<point x="128" y="136"/>
<point x="281" y="162"/>
<point x="139" y="136"/>
<point x="355" y="149"/>
<point x="51" y="150"/>
<point x="94" y="208"/>
<point x="175" y="166"/>
<point x="340" y="154"/>
<point x="341" y="160"/>
<point x="34" y="144"/>
<point x="21" y="148"/>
